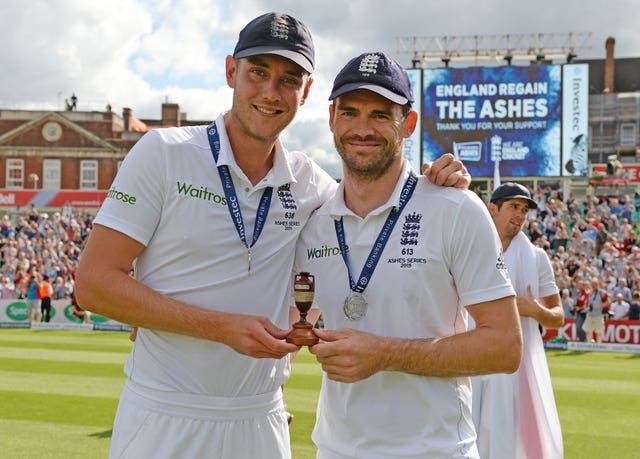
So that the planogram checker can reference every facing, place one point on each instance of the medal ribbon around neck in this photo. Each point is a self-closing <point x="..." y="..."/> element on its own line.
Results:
<point x="381" y="241"/>
<point x="232" y="198"/>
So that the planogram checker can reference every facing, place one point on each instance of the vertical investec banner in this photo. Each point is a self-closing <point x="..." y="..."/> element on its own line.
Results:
<point x="411" y="149"/>
<point x="575" y="119"/>
<point x="511" y="115"/>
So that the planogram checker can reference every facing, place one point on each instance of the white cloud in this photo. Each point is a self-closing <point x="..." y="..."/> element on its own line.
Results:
<point x="178" y="45"/>
<point x="137" y="53"/>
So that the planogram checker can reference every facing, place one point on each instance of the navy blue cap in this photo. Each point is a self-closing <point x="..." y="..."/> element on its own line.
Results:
<point x="512" y="190"/>
<point x="280" y="34"/>
<point x="375" y="72"/>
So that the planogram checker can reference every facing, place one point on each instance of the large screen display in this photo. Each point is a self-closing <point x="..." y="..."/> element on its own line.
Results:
<point x="411" y="146"/>
<point x="506" y="118"/>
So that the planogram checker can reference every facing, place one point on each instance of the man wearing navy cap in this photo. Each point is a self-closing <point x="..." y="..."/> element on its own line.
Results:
<point x="515" y="415"/>
<point x="209" y="216"/>
<point x="399" y="264"/>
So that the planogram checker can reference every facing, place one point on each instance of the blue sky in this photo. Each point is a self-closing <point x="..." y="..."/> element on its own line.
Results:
<point x="138" y="53"/>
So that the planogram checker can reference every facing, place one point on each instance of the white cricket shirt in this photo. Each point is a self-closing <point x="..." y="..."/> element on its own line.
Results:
<point x="168" y="196"/>
<point x="442" y="255"/>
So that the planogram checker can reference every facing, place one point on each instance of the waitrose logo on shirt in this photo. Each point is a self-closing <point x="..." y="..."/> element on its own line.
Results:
<point x="120" y="196"/>
<point x="201" y="192"/>
<point x="323" y="251"/>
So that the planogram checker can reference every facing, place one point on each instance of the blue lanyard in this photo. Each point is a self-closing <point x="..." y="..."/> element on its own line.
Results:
<point x="381" y="241"/>
<point x="232" y="198"/>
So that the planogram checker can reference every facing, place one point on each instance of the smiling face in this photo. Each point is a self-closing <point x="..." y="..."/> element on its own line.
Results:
<point x="268" y="90"/>
<point x="368" y="131"/>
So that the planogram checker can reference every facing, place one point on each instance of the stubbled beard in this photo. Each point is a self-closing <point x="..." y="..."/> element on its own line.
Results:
<point x="371" y="170"/>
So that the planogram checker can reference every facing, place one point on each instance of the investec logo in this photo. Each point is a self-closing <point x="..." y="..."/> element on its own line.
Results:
<point x="201" y="192"/>
<point x="324" y="251"/>
<point x="9" y="199"/>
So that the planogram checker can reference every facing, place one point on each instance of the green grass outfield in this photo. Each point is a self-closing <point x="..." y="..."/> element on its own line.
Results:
<point x="59" y="391"/>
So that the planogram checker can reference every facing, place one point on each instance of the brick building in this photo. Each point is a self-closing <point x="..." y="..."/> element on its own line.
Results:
<point x="75" y="155"/>
<point x="45" y="152"/>
<point x="614" y="107"/>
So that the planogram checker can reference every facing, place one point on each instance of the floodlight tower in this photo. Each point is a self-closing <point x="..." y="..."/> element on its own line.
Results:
<point x="537" y="48"/>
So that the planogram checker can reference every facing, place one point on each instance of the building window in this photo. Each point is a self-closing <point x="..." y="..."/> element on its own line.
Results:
<point x="627" y="135"/>
<point x="89" y="175"/>
<point x="51" y="174"/>
<point x="52" y="131"/>
<point x="15" y="173"/>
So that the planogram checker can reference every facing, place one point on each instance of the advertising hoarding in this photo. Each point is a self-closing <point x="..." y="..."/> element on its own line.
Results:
<point x="575" y="119"/>
<point x="14" y="314"/>
<point x="411" y="146"/>
<point x="507" y="118"/>
<point x="616" y="332"/>
<point x="46" y="199"/>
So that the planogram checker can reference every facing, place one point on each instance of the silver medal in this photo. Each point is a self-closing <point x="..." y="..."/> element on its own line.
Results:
<point x="355" y="306"/>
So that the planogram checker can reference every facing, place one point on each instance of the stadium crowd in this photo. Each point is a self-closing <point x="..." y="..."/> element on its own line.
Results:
<point x="594" y="247"/>
<point x="40" y="246"/>
<point x="593" y="241"/>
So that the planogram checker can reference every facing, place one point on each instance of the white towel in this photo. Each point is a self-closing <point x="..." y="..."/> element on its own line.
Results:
<point x="525" y="396"/>
<point x="537" y="423"/>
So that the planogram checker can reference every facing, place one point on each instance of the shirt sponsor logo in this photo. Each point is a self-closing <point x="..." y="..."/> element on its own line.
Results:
<point x="201" y="192"/>
<point x="113" y="193"/>
<point x="322" y="252"/>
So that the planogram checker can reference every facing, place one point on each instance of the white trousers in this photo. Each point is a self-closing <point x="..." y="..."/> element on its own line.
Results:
<point x="156" y="424"/>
